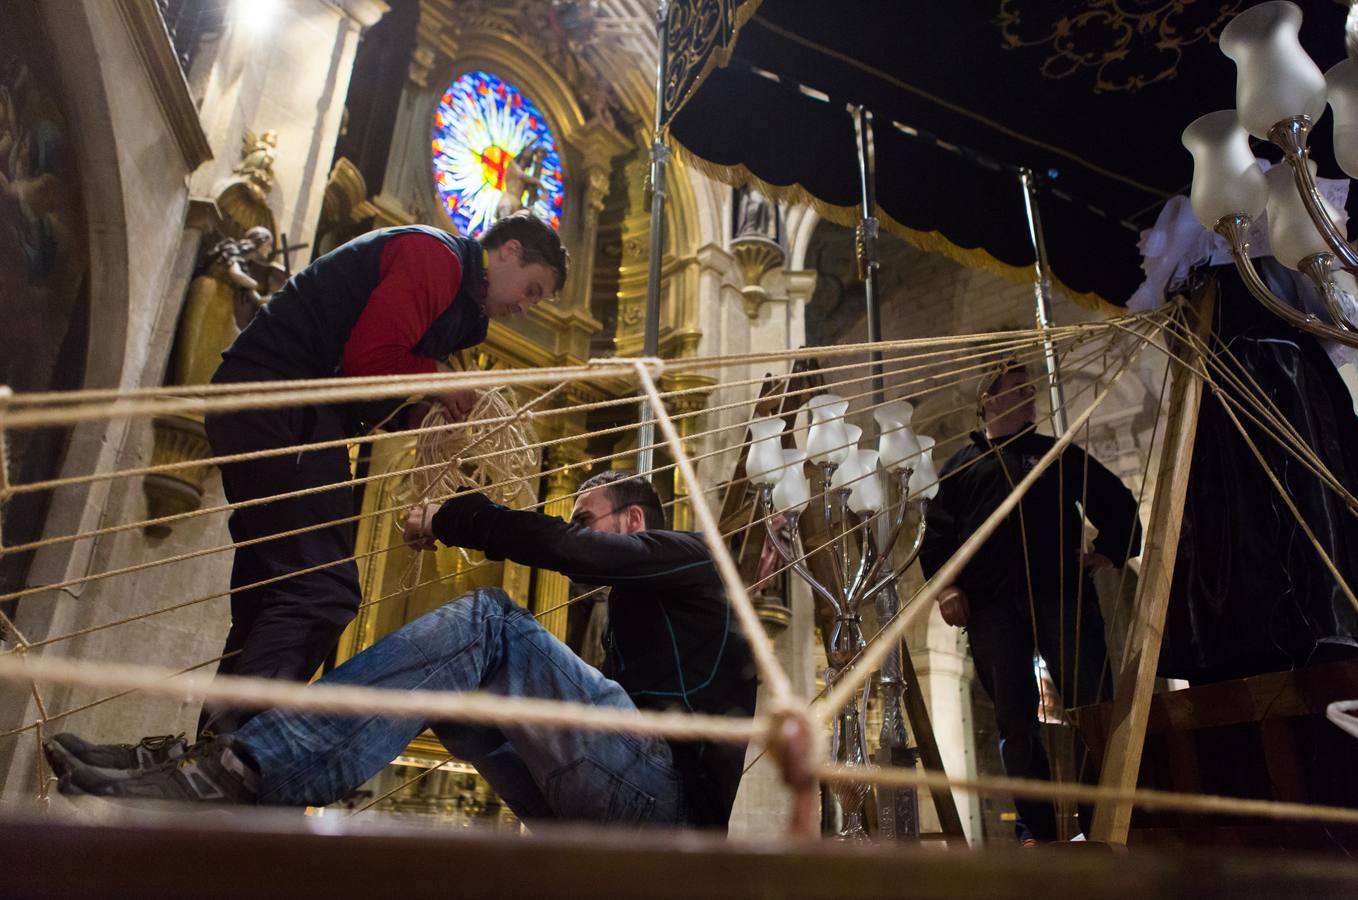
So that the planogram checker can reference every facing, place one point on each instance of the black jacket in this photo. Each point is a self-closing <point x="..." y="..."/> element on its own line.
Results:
<point x="974" y="483"/>
<point x="673" y="643"/>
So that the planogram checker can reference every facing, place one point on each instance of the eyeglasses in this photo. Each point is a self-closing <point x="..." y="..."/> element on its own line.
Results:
<point x="585" y="519"/>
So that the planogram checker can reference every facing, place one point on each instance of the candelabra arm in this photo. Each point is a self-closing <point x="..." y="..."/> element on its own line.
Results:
<point x="884" y="558"/>
<point x="909" y="560"/>
<point x="903" y="475"/>
<point x="799" y="564"/>
<point x="1290" y="135"/>
<point x="1318" y="268"/>
<point x="844" y="539"/>
<point x="866" y="560"/>
<point x="1234" y="229"/>
<point x="827" y="471"/>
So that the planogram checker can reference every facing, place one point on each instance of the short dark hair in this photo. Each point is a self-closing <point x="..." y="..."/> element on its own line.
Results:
<point x="992" y="377"/>
<point x="540" y="242"/>
<point x="626" y="488"/>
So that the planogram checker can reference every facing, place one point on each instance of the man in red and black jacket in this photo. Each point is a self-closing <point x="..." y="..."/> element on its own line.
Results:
<point x="396" y="301"/>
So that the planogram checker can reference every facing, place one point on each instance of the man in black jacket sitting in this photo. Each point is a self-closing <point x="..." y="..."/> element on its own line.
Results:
<point x="1029" y="583"/>
<point x="672" y="644"/>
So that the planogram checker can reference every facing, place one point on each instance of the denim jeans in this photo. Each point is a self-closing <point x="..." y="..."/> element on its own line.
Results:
<point x="482" y="641"/>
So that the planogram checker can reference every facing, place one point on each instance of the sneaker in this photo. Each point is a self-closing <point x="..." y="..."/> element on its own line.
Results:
<point x="209" y="773"/>
<point x="67" y="751"/>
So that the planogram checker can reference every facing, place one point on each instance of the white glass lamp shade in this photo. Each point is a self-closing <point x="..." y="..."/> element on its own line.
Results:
<point x="924" y="477"/>
<point x="766" y="450"/>
<point x="848" y="471"/>
<point x="866" y="494"/>
<point x="1291" y="232"/>
<point x="1274" y="79"/>
<point x="851" y="435"/>
<point x="1342" y="81"/>
<point x="897" y="412"/>
<point x="1227" y="179"/>
<point x="898" y="445"/>
<point x="827" y="441"/>
<point x="792" y="493"/>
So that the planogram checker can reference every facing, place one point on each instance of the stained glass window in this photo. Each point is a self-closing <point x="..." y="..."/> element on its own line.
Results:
<point x="489" y="140"/>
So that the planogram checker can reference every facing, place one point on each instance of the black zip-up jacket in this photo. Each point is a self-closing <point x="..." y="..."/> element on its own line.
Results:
<point x="974" y="483"/>
<point x="673" y="643"/>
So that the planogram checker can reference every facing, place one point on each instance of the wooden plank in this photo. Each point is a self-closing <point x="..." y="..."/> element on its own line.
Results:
<point x="1136" y="678"/>
<point x="226" y="855"/>
<point x="922" y="729"/>
<point x="1298" y="692"/>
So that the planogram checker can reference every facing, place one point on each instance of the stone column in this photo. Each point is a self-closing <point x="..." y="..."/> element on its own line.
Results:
<point x="582" y="268"/>
<point x="285" y="70"/>
<point x="685" y="406"/>
<point x="553" y="588"/>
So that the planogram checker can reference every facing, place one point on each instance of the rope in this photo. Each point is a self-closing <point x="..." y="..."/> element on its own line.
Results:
<point x="760" y="645"/>
<point x="402" y="786"/>
<point x="603" y="368"/>
<point x="56" y="717"/>
<point x="500" y="710"/>
<point x="385" y="510"/>
<point x="259" y="395"/>
<point x="851" y="680"/>
<point x="302" y="530"/>
<point x="444" y="706"/>
<point x="297" y="448"/>
<point x="1083" y="793"/>
<point x="365" y="555"/>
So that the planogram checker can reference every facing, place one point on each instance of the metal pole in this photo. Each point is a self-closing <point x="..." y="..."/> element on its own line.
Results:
<point x="1042" y="292"/>
<point x="660" y="155"/>
<point x="867" y="239"/>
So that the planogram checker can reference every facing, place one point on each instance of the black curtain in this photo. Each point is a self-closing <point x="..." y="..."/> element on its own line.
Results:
<point x="1250" y="593"/>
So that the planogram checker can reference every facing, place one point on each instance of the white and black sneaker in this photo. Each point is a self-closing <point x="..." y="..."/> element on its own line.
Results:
<point x="68" y="751"/>
<point x="207" y="773"/>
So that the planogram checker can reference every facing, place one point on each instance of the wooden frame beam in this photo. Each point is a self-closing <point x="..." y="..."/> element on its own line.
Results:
<point x="1135" y="681"/>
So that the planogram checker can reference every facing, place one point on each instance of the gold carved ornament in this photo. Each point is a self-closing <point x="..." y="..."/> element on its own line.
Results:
<point x="1129" y="43"/>
<point x="699" y="37"/>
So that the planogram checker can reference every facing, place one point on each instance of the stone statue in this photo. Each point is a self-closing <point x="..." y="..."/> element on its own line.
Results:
<point x="257" y="155"/>
<point x="754" y="214"/>
<point x="222" y="300"/>
<point x="521" y="175"/>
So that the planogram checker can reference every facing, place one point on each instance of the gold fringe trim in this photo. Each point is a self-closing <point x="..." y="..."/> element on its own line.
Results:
<point x="849" y="216"/>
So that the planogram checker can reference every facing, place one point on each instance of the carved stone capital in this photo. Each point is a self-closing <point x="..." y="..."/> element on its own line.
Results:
<point x="756" y="257"/>
<point x="422" y="60"/>
<point x="697" y="389"/>
<point x="596" y="188"/>
<point x="364" y="13"/>
<point x="562" y="481"/>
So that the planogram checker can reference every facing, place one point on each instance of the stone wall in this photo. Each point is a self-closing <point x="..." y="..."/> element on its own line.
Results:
<point x="137" y="183"/>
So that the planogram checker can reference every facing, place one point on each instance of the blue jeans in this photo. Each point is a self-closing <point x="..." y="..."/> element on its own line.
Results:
<point x="482" y="641"/>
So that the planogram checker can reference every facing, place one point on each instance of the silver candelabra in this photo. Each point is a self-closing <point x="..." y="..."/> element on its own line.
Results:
<point x="853" y="499"/>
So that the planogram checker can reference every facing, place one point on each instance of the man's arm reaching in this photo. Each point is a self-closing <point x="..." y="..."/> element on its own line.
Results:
<point x="546" y="542"/>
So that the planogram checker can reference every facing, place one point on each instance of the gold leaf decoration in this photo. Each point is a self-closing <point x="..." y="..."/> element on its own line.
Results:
<point x="1128" y="44"/>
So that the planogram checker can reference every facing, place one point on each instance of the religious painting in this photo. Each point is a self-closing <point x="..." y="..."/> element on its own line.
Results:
<point x="494" y="155"/>
<point x="43" y="262"/>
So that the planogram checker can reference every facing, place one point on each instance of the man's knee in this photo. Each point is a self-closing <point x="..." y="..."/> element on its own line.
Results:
<point x="479" y="603"/>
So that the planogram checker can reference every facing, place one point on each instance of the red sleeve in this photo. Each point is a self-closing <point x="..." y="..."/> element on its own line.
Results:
<point x="420" y="276"/>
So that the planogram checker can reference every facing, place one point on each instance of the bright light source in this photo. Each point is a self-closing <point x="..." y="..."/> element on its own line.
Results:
<point x="256" y="15"/>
